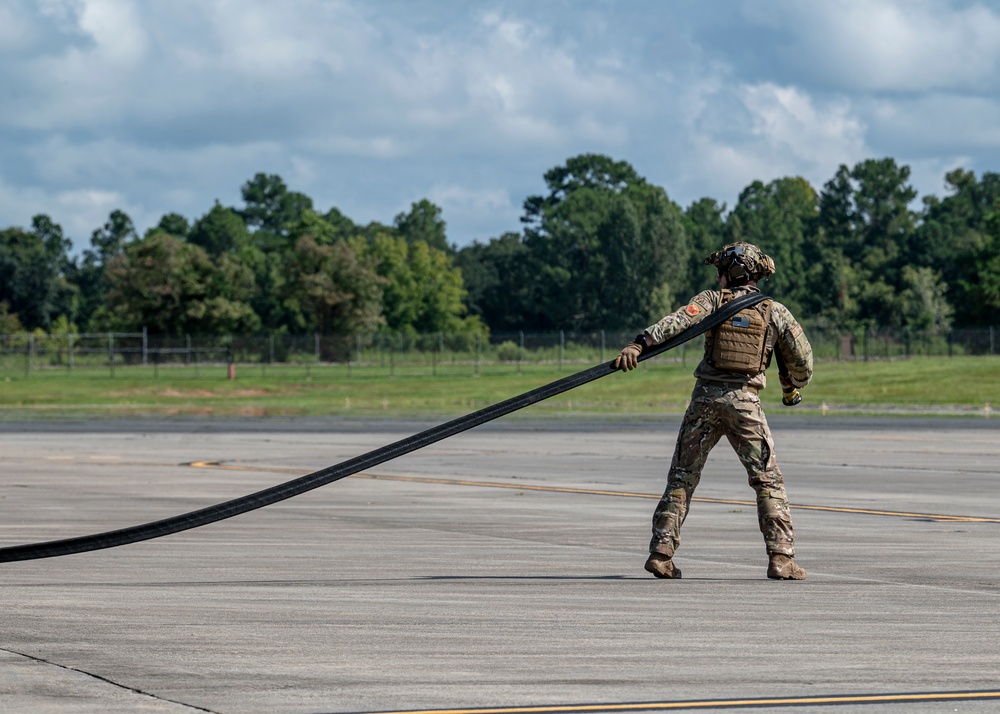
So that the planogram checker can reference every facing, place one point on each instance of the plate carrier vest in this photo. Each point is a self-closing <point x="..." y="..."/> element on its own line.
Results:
<point x="740" y="344"/>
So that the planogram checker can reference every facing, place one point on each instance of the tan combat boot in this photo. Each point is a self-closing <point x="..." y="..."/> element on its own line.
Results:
<point x="662" y="566"/>
<point x="782" y="567"/>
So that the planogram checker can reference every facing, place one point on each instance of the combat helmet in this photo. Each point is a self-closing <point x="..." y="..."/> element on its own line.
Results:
<point x="741" y="263"/>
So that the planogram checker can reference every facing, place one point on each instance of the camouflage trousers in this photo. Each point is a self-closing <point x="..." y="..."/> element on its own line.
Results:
<point x="714" y="412"/>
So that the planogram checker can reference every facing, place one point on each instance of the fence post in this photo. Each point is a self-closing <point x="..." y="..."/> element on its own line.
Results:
<point x="316" y="345"/>
<point x="29" y="357"/>
<point x="602" y="346"/>
<point x="520" y="351"/>
<point x="434" y="359"/>
<point x="187" y="354"/>
<point x="71" y="336"/>
<point x="562" y="347"/>
<point x="992" y="330"/>
<point x="111" y="353"/>
<point x="479" y="343"/>
<point x="145" y="344"/>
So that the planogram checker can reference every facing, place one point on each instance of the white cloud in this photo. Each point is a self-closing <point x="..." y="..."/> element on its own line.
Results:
<point x="116" y="29"/>
<point x="935" y="123"/>
<point x="734" y="135"/>
<point x="788" y="122"/>
<point x="78" y="211"/>
<point x="510" y="80"/>
<point x="87" y="209"/>
<point x="375" y="147"/>
<point x="18" y="31"/>
<point x="485" y="199"/>
<point x="890" y="45"/>
<point x="927" y="175"/>
<point x="289" y="41"/>
<point x="369" y="106"/>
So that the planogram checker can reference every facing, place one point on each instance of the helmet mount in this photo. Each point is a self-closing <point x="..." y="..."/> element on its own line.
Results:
<point x="741" y="263"/>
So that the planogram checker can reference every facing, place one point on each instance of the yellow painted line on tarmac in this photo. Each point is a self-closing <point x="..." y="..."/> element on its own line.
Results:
<point x="241" y="467"/>
<point x="718" y="703"/>
<point x="945" y="518"/>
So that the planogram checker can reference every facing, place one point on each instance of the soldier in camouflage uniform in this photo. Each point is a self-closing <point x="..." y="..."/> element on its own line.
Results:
<point x="725" y="403"/>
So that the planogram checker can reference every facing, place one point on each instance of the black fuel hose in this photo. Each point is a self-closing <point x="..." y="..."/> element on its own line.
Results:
<point x="297" y="486"/>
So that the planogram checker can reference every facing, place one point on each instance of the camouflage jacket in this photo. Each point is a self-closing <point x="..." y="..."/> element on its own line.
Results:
<point x="784" y="333"/>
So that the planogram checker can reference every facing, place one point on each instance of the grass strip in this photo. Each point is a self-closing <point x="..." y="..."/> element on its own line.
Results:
<point x="969" y="385"/>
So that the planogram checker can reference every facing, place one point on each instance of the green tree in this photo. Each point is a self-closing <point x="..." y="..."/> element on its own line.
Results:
<point x="88" y="274"/>
<point x="423" y="222"/>
<point x="173" y="287"/>
<point x="32" y="282"/>
<point x="112" y="238"/>
<point x="221" y="230"/>
<point x="865" y="215"/>
<point x="980" y="282"/>
<point x="705" y="225"/>
<point x="343" y="227"/>
<point x="271" y="208"/>
<point x="923" y="302"/>
<point x="958" y="239"/>
<point x="317" y="227"/>
<point x="781" y="218"/>
<point x="65" y="297"/>
<point x="424" y="291"/>
<point x="271" y="273"/>
<point x="331" y="290"/>
<point x="9" y="322"/>
<point x="988" y="289"/>
<point x="173" y="223"/>
<point x="606" y="247"/>
<point x="498" y="278"/>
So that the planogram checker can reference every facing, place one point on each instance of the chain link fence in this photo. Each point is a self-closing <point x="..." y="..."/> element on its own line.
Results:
<point x="25" y="353"/>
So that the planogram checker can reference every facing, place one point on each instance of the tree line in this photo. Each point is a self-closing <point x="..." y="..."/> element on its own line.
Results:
<point x="602" y="248"/>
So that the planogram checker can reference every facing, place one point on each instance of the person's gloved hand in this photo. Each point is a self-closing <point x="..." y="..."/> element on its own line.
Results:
<point x="629" y="357"/>
<point x="790" y="396"/>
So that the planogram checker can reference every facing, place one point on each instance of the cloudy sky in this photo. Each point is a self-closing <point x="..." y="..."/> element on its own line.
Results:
<point x="157" y="106"/>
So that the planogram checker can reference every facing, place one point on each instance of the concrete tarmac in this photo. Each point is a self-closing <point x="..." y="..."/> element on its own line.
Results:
<point x="500" y="569"/>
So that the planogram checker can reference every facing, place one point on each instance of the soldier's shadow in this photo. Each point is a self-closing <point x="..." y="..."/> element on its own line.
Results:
<point x="571" y="577"/>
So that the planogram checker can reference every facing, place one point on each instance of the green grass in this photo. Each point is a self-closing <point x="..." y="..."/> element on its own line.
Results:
<point x="960" y="384"/>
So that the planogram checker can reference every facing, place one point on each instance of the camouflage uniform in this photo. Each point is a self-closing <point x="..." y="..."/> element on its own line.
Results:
<point x="726" y="404"/>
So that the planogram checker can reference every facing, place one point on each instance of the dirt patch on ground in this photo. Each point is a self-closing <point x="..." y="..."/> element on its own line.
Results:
<point x="188" y="393"/>
<point x="251" y="412"/>
<point x="185" y="393"/>
<point x="186" y="411"/>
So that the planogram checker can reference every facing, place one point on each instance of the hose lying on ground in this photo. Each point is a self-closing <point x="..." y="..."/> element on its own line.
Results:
<point x="300" y="485"/>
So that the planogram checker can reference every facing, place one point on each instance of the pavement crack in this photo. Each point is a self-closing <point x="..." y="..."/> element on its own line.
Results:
<point x="100" y="678"/>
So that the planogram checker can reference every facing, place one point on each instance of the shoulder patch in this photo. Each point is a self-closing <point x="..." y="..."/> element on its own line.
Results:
<point x="692" y="309"/>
